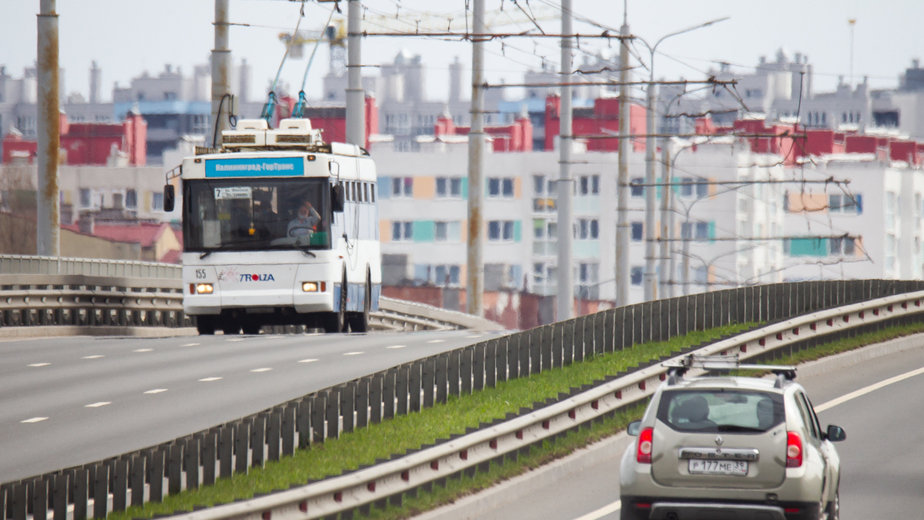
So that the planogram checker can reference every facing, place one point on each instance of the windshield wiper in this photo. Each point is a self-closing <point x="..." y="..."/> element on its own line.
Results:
<point x="307" y="251"/>
<point x="205" y="254"/>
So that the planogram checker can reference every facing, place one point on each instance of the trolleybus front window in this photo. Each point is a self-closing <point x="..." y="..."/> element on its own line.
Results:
<point x="256" y="214"/>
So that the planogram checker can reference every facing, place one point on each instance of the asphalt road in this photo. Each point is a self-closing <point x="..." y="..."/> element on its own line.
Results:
<point x="74" y="400"/>
<point x="876" y="399"/>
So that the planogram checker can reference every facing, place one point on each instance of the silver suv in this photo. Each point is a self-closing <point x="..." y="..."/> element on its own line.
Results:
<point x="730" y="447"/>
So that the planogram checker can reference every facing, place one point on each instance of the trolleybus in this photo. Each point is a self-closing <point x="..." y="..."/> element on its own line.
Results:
<point x="279" y="228"/>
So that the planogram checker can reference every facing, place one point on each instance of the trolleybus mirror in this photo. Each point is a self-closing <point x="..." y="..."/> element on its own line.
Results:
<point x="336" y="197"/>
<point x="169" y="197"/>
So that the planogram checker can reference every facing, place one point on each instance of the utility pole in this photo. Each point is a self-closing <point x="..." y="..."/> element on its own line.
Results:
<point x="355" y="98"/>
<point x="667" y="228"/>
<point x="475" y="262"/>
<point x="565" y="182"/>
<point x="49" y="139"/>
<point x="221" y="70"/>
<point x="650" y="279"/>
<point x="622" y="184"/>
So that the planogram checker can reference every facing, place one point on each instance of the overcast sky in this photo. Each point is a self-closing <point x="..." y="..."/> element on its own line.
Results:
<point x="128" y="37"/>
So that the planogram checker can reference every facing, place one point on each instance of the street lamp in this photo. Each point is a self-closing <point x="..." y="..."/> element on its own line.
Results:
<point x="649" y="278"/>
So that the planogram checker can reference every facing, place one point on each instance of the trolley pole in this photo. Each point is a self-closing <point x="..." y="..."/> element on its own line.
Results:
<point x="355" y="98"/>
<point x="221" y="70"/>
<point x="475" y="262"/>
<point x="565" y="182"/>
<point x="49" y="138"/>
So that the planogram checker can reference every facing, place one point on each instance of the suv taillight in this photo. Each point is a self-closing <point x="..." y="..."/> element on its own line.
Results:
<point x="793" y="450"/>
<point x="644" y="445"/>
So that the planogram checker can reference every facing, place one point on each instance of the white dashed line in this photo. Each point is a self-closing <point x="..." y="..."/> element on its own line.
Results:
<point x="37" y="365"/>
<point x="98" y="404"/>
<point x="309" y="360"/>
<point x="191" y="345"/>
<point x="436" y="341"/>
<point x="210" y="379"/>
<point x="34" y="420"/>
<point x="139" y="350"/>
<point x="396" y="347"/>
<point x="258" y="370"/>
<point x="155" y="391"/>
<point x="234" y="340"/>
<point x="352" y="353"/>
<point x="94" y="356"/>
<point x="473" y="336"/>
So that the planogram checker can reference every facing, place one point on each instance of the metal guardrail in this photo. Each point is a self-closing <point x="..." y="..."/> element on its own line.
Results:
<point x="392" y="478"/>
<point x="51" y="291"/>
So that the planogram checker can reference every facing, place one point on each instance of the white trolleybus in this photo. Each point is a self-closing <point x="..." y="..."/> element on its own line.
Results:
<point x="279" y="228"/>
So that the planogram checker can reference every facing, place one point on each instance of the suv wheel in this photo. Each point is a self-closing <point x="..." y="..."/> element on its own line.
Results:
<point x="834" y="507"/>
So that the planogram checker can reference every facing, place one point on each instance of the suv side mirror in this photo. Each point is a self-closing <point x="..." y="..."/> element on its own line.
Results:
<point x="634" y="427"/>
<point x="169" y="197"/>
<point x="835" y="433"/>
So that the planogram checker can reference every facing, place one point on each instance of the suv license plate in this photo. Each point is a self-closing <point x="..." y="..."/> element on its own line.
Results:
<point x="718" y="467"/>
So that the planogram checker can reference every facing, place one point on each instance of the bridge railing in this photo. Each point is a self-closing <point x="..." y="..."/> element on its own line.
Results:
<point x="798" y="313"/>
<point x="101" y="293"/>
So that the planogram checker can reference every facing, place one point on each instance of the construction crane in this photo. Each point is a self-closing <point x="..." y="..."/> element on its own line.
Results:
<point x="335" y="34"/>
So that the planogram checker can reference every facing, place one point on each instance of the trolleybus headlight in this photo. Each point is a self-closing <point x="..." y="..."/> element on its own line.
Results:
<point x="314" y="286"/>
<point x="204" y="288"/>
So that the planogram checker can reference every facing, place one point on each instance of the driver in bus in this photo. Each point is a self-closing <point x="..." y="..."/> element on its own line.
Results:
<point x="304" y="224"/>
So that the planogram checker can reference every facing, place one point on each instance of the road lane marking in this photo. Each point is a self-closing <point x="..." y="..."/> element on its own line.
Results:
<point x="37" y="365"/>
<point x="353" y="353"/>
<point x="155" y="391"/>
<point x="309" y="360"/>
<point x="190" y="345"/>
<point x="94" y="356"/>
<point x="34" y="420"/>
<point x="396" y="347"/>
<point x="234" y="340"/>
<point x="210" y="379"/>
<point x="139" y="350"/>
<point x="98" y="404"/>
<point x="603" y="511"/>
<point x="868" y="389"/>
<point x="436" y="341"/>
<point x="259" y="370"/>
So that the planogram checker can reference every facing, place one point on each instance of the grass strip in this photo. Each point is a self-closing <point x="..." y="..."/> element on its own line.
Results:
<point x="398" y="435"/>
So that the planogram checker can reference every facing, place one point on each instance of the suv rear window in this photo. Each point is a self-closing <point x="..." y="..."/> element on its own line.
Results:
<point x="713" y="411"/>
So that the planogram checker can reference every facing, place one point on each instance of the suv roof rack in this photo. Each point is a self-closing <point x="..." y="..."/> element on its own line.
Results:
<point x="724" y="364"/>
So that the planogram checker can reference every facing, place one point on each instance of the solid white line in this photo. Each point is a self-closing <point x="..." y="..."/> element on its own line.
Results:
<point x="868" y="389"/>
<point x="98" y="404"/>
<point x="603" y="511"/>
<point x="258" y="370"/>
<point x="94" y="356"/>
<point x="34" y="420"/>
<point x="352" y="353"/>
<point x="210" y="379"/>
<point x="395" y="347"/>
<point x="155" y="391"/>
<point x="37" y="365"/>
<point x="310" y="360"/>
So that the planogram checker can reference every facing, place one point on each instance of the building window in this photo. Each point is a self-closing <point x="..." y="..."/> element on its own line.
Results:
<point x="402" y="186"/>
<point x="589" y="185"/>
<point x="702" y="189"/>
<point x="845" y="204"/>
<point x="447" y="275"/>
<point x="500" y="187"/>
<point x="636" y="275"/>
<point x="686" y="187"/>
<point x="842" y="246"/>
<point x="637" y="190"/>
<point x="500" y="230"/>
<point x="587" y="229"/>
<point x="702" y="230"/>
<point x="448" y="187"/>
<point x="158" y="201"/>
<point x="401" y="231"/>
<point x="638" y="231"/>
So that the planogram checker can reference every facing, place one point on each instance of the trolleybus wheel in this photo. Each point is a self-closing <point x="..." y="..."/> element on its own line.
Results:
<point x="337" y="321"/>
<point x="359" y="321"/>
<point x="229" y="326"/>
<point x="205" y="325"/>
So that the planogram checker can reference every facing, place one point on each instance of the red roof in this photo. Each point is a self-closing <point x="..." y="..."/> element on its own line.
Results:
<point x="145" y="234"/>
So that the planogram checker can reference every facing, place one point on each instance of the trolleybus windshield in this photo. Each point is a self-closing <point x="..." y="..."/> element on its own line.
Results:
<point x="256" y="214"/>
